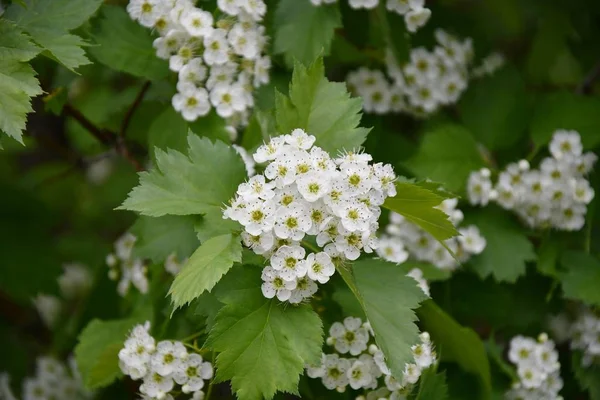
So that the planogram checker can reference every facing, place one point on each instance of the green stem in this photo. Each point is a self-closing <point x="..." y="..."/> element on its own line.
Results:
<point x="192" y="336"/>
<point x="310" y="247"/>
<point x="210" y="385"/>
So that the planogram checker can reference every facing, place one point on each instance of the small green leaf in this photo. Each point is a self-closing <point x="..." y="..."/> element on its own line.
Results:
<point x="457" y="344"/>
<point x="213" y="224"/>
<point x="581" y="279"/>
<point x="263" y="345"/>
<point x="416" y="203"/>
<point x="432" y="385"/>
<point x="389" y="297"/>
<point x="303" y="31"/>
<point x="205" y="268"/>
<point x="126" y="46"/>
<point x="447" y="154"/>
<point x="186" y="185"/>
<point x="322" y="108"/>
<point x="158" y="237"/>
<point x="507" y="250"/>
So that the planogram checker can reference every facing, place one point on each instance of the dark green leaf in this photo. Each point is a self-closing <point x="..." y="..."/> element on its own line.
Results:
<point x="581" y="279"/>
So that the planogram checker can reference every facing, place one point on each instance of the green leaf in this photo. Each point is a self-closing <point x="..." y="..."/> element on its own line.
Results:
<point x="158" y="237"/>
<point x="213" y="224"/>
<point x="496" y="110"/>
<point x="508" y="249"/>
<point x="548" y="254"/>
<point x="416" y="203"/>
<point x="588" y="377"/>
<point x="303" y="31"/>
<point x="582" y="277"/>
<point x="185" y="185"/>
<point x="432" y="385"/>
<point x="97" y="351"/>
<point x="126" y="46"/>
<point x="566" y="110"/>
<point x="448" y="154"/>
<point x="457" y="344"/>
<point x="14" y="44"/>
<point x="18" y="85"/>
<point x="205" y="268"/>
<point x="389" y="297"/>
<point x="260" y="128"/>
<point x="48" y="23"/>
<point x="263" y="345"/>
<point x="322" y="108"/>
<point x="207" y="305"/>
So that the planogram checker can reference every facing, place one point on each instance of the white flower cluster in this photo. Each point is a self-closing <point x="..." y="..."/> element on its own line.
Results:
<point x="555" y="195"/>
<point x="430" y="80"/>
<point x="162" y="364"/>
<point x="538" y="369"/>
<point x="365" y="363"/>
<point x="303" y="191"/>
<point x="52" y="380"/>
<point x="219" y="62"/>
<point x="123" y="266"/>
<point x="405" y="239"/>
<point x="585" y="336"/>
<point x="415" y="13"/>
<point x="489" y="65"/>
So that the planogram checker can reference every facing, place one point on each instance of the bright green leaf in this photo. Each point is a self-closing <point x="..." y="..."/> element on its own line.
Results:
<point x="457" y="344"/>
<point x="389" y="297"/>
<point x="447" y="154"/>
<point x="185" y="185"/>
<point x="303" y="31"/>
<point x="432" y="385"/>
<point x="14" y="44"/>
<point x="322" y="108"/>
<point x="205" y="268"/>
<point x="263" y="345"/>
<point x="213" y="224"/>
<point x="581" y="279"/>
<point x="507" y="250"/>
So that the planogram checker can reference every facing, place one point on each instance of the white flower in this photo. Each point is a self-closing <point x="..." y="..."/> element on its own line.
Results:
<point x="359" y="375"/>
<point x="258" y="216"/>
<point x="48" y="307"/>
<point x="479" y="187"/>
<point x="471" y="240"/>
<point x="411" y="375"/>
<point x="335" y="372"/>
<point x="292" y="222"/>
<point x="227" y="99"/>
<point x="194" y="73"/>
<point x="416" y="18"/>
<point x="191" y="102"/>
<point x="319" y="267"/>
<point x="216" y="48"/>
<point x="399" y="6"/>
<point x="192" y="373"/>
<point x="144" y="11"/>
<point x="75" y="281"/>
<point x="350" y="336"/>
<point x="521" y="350"/>
<point x="392" y="250"/>
<point x="313" y="186"/>
<point x="168" y="357"/>
<point x="300" y="139"/>
<point x="274" y="285"/>
<point x="565" y="144"/>
<point x="197" y="23"/>
<point x="256" y="187"/>
<point x="156" y="385"/>
<point x="288" y="261"/>
<point x="305" y="288"/>
<point x="417" y="275"/>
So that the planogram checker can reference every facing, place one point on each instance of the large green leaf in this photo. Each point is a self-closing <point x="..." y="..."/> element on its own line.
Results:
<point x="432" y="385"/>
<point x="565" y="110"/>
<point x="388" y="298"/>
<point x="14" y="44"/>
<point x="158" y="237"/>
<point x="205" y="268"/>
<point x="496" y="110"/>
<point x="457" y="344"/>
<point x="581" y="279"/>
<point x="588" y="377"/>
<point x="185" y="185"/>
<point x="48" y="23"/>
<point x="263" y="345"/>
<point x="416" y="203"/>
<point x="508" y="249"/>
<point x="322" y="108"/>
<point x="448" y="154"/>
<point x="126" y="46"/>
<point x="303" y="31"/>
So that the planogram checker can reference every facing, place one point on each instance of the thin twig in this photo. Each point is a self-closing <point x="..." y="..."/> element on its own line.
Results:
<point x="132" y="108"/>
<point x="104" y="136"/>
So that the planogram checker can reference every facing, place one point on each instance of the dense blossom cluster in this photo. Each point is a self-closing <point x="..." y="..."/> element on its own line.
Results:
<point x="430" y="79"/>
<point x="127" y="269"/>
<point x="360" y="364"/>
<point x="53" y="380"/>
<point x="538" y="368"/>
<point x="304" y="192"/>
<point x="219" y="61"/>
<point x="585" y="336"/>
<point x="162" y="365"/>
<point x="555" y="195"/>
<point x="415" y="13"/>
<point x="405" y="239"/>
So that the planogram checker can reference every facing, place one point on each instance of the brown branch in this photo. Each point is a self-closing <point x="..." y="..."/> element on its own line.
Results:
<point x="590" y="79"/>
<point x="132" y="108"/>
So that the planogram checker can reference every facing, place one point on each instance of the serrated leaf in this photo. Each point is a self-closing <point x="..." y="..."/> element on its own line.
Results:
<point x="126" y="46"/>
<point x="566" y="110"/>
<point x="432" y="385"/>
<point x="213" y="224"/>
<point x="496" y="110"/>
<point x="448" y="154"/>
<point x="97" y="351"/>
<point x="388" y="298"/>
<point x="507" y="250"/>
<point x="581" y="279"/>
<point x="416" y="203"/>
<point x="588" y="377"/>
<point x="457" y="344"/>
<point x="322" y="108"/>
<point x="263" y="345"/>
<point x="158" y="237"/>
<point x="303" y="31"/>
<point x="14" y="44"/>
<point x="205" y="268"/>
<point x="186" y="185"/>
